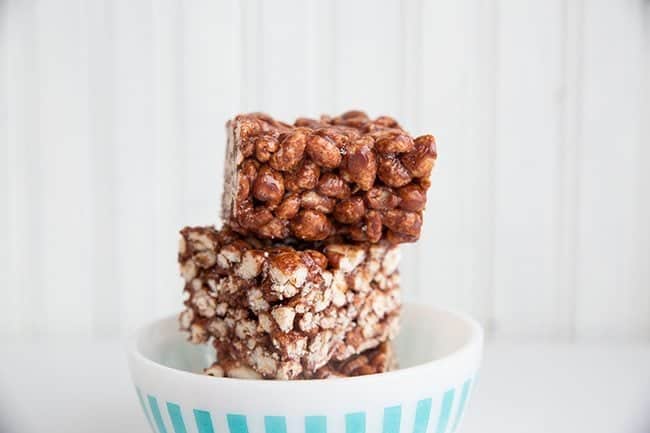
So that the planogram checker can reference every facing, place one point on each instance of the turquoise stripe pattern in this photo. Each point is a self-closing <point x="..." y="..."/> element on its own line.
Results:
<point x="355" y="422"/>
<point x="315" y="424"/>
<point x="445" y="420"/>
<point x="155" y="411"/>
<point x="275" y="424"/>
<point x="445" y="410"/>
<point x="422" y="414"/>
<point x="461" y="403"/>
<point x="176" y="416"/>
<point x="203" y="421"/>
<point x="392" y="419"/>
<point x="144" y="409"/>
<point x="237" y="423"/>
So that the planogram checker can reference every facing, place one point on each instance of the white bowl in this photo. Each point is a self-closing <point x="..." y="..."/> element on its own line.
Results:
<point x="439" y="352"/>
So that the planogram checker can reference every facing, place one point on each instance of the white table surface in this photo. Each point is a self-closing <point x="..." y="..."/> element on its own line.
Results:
<point x="80" y="387"/>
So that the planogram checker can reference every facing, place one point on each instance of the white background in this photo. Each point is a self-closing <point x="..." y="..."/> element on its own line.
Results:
<point x="538" y="222"/>
<point x="111" y="139"/>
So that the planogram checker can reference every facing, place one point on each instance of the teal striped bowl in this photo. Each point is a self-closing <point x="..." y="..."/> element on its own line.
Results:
<point x="439" y="352"/>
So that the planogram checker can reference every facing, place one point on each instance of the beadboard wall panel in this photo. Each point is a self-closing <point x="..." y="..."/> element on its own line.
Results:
<point x="478" y="209"/>
<point x="168" y="49"/>
<point x="24" y="294"/>
<point x="136" y="154"/>
<point x="408" y="112"/>
<point x="66" y="165"/>
<point x="321" y="57"/>
<point x="283" y="67"/>
<point x="456" y="38"/>
<point x="566" y="191"/>
<point x="366" y="55"/>
<point x="613" y="293"/>
<point x="207" y="51"/>
<point x="113" y="119"/>
<point x="526" y="295"/>
<point x="104" y="288"/>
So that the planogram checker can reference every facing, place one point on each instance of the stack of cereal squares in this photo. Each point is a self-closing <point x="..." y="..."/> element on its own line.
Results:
<point x="301" y="281"/>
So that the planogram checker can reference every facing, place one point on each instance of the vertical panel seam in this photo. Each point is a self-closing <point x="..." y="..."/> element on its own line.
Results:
<point x="9" y="180"/>
<point x="153" y="291"/>
<point x="104" y="259"/>
<point x="644" y="136"/>
<point x="334" y="98"/>
<point x="570" y="187"/>
<point x="419" y="65"/>
<point x="407" y="105"/>
<point x="402" y="59"/>
<point x="492" y="241"/>
<point x="312" y="47"/>
<point x="417" y="114"/>
<point x="259" y="55"/>
<point x="561" y="217"/>
<point x="578" y="140"/>
<point x="34" y="302"/>
<point x="168" y="28"/>
<point x="179" y="100"/>
<point x="243" y="50"/>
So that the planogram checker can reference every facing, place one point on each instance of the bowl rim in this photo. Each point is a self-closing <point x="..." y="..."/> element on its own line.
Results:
<point x="473" y="344"/>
